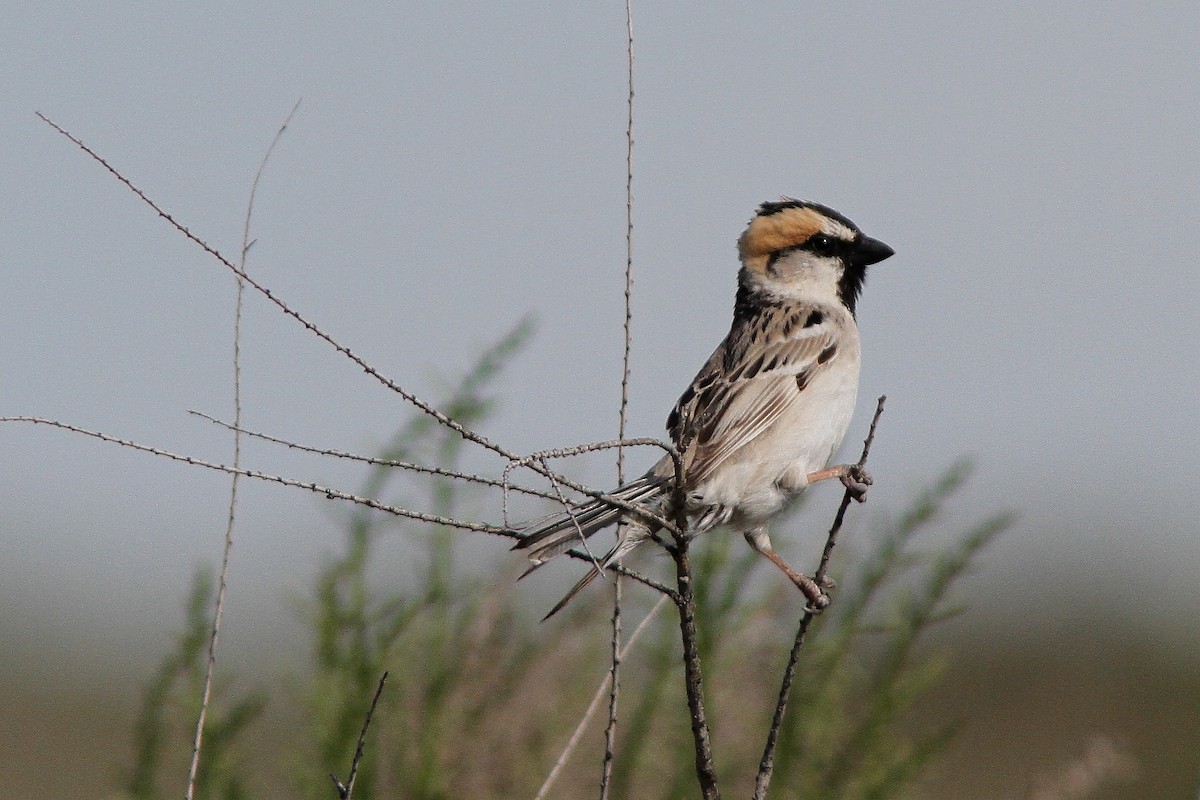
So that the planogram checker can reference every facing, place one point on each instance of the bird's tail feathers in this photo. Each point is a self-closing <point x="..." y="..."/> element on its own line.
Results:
<point x="553" y="535"/>
<point x="590" y="576"/>
<point x="629" y="537"/>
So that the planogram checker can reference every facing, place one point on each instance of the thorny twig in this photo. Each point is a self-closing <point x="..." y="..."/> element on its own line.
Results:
<point x="344" y="790"/>
<point x="277" y="301"/>
<point x="626" y="572"/>
<point x="585" y="553"/>
<point x="693" y="678"/>
<point x="539" y="459"/>
<point x="767" y="765"/>
<point x="312" y="328"/>
<point x="583" y="542"/>
<point x="320" y="333"/>
<point x="628" y="331"/>
<point x="532" y="462"/>
<point x="328" y="492"/>
<point x="685" y="600"/>
<point x="610" y="730"/>
<point x="210" y="665"/>
<point x="591" y="447"/>
<point x="383" y="462"/>
<point x="614" y="693"/>
<point x="573" y="742"/>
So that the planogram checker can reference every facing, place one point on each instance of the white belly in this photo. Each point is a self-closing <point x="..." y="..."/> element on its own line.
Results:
<point x="755" y="482"/>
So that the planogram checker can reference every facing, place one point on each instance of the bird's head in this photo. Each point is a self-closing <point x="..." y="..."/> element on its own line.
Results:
<point x="796" y="249"/>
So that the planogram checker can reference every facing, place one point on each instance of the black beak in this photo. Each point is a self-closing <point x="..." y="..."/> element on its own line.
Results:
<point x="870" y="251"/>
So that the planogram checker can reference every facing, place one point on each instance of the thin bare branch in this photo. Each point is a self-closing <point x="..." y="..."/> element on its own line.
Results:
<point x="685" y="601"/>
<point x="331" y="493"/>
<point x="592" y="447"/>
<point x="468" y="434"/>
<point x="626" y="572"/>
<point x="279" y="303"/>
<point x="536" y="461"/>
<point x="222" y="580"/>
<point x="831" y="539"/>
<point x="610" y="730"/>
<point x="345" y="790"/>
<point x="311" y="327"/>
<point x="384" y="462"/>
<point x="328" y="492"/>
<point x="693" y="678"/>
<point x="622" y="414"/>
<point x="594" y="706"/>
<point x="583" y="542"/>
<point x="766" y="766"/>
<point x="614" y="694"/>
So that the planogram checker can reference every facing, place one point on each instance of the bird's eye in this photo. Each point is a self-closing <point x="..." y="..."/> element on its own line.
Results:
<point x="822" y="244"/>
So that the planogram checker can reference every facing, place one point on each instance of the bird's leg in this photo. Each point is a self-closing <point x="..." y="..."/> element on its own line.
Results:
<point x="852" y="476"/>
<point x="813" y="592"/>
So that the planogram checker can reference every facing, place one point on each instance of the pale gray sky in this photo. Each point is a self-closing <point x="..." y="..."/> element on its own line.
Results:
<point x="453" y="168"/>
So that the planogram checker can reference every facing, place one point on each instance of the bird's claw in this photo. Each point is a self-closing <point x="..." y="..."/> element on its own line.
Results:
<point x="814" y="592"/>
<point x="856" y="480"/>
<point x="817" y="604"/>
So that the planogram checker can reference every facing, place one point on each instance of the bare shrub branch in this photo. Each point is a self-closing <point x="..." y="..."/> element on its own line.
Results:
<point x="222" y="579"/>
<point x="767" y="765"/>
<point x="538" y="459"/>
<point x="423" y="406"/>
<point x="693" y="677"/>
<point x="345" y="790"/>
<point x="329" y="492"/>
<point x="628" y="330"/>
<point x="426" y="408"/>
<point x="610" y="731"/>
<point x="280" y="303"/>
<point x="577" y="734"/>
<point x="614" y="694"/>
<point x="383" y="462"/>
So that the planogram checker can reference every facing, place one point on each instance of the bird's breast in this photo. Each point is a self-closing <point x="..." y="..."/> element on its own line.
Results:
<point x="756" y="481"/>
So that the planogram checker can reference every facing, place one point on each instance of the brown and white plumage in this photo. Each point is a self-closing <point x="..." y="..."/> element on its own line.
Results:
<point x="769" y="408"/>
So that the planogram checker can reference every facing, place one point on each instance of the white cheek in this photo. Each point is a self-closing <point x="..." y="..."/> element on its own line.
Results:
<point x="806" y="276"/>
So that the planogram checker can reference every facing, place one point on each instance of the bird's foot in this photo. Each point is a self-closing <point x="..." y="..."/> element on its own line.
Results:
<point x="814" y="592"/>
<point x="856" y="480"/>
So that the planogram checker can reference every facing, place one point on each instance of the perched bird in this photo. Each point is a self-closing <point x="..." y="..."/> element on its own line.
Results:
<point x="769" y="408"/>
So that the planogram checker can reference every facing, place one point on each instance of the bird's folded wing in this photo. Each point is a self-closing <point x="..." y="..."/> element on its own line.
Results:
<point x="766" y="377"/>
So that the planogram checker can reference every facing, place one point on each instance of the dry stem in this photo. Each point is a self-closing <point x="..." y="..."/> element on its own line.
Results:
<point x="345" y="790"/>
<point x="573" y="742"/>
<point x="767" y="765"/>
<point x="411" y="398"/>
<point x="227" y="548"/>
<point x="610" y="730"/>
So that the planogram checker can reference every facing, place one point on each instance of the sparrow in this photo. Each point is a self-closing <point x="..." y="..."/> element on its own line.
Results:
<point x="765" y="414"/>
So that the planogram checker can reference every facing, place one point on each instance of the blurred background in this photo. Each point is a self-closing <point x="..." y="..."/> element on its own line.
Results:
<point x="454" y="168"/>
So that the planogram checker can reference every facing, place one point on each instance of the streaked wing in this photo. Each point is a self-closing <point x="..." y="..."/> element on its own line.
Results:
<point x="751" y="380"/>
